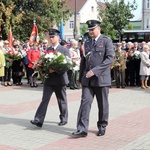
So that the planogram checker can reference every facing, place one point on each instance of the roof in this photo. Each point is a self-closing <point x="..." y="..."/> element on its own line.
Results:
<point x="79" y="4"/>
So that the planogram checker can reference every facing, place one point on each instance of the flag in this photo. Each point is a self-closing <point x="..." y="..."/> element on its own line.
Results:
<point x="10" y="39"/>
<point x="34" y="37"/>
<point x="61" y="29"/>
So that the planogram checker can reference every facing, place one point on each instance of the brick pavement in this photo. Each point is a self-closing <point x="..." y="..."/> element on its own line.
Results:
<point x="128" y="129"/>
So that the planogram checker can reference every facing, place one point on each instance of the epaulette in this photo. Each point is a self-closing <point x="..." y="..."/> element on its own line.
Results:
<point x="88" y="40"/>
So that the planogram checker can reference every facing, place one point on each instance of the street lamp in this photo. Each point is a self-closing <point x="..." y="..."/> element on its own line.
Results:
<point x="75" y="20"/>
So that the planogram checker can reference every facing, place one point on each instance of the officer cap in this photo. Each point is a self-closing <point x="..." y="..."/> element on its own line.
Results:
<point x="53" y="32"/>
<point x="93" y="23"/>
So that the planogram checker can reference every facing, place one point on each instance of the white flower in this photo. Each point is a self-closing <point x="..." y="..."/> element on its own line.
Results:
<point x="58" y="53"/>
<point x="64" y="61"/>
<point x="50" y="55"/>
<point x="136" y="53"/>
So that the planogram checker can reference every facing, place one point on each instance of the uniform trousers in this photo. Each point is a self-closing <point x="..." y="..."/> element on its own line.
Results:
<point x="60" y="92"/>
<point x="120" y="77"/>
<point x="85" y="107"/>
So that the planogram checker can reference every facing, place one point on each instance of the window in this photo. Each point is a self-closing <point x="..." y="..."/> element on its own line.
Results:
<point x="148" y="4"/>
<point x="148" y="24"/>
<point x="71" y="25"/>
<point x="92" y="9"/>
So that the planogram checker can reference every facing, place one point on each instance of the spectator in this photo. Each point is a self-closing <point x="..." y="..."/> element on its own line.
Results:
<point x="33" y="57"/>
<point x="2" y="63"/>
<point x="145" y="66"/>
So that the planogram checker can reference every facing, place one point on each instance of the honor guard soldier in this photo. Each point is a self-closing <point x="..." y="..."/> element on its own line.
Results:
<point x="55" y="82"/>
<point x="95" y="78"/>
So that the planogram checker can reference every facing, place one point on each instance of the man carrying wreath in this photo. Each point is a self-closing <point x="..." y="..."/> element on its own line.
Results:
<point x="55" y="82"/>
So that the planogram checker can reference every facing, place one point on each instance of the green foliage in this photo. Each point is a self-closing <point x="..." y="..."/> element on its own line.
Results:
<point x="19" y="14"/>
<point x="116" y="16"/>
<point x="129" y="27"/>
<point x="83" y="29"/>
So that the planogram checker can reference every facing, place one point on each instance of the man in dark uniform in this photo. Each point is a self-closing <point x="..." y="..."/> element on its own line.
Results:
<point x="56" y="82"/>
<point x="95" y="78"/>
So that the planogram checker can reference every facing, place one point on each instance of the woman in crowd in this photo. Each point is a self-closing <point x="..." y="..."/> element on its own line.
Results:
<point x="75" y="56"/>
<point x="33" y="57"/>
<point x="2" y="62"/>
<point x="17" y="66"/>
<point x="145" y="66"/>
<point x="7" y="77"/>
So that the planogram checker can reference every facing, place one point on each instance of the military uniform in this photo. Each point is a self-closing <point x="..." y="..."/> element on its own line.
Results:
<point x="97" y="58"/>
<point x="55" y="82"/>
<point x="119" y="65"/>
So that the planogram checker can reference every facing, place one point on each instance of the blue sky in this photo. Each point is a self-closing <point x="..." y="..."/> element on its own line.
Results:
<point x="138" y="12"/>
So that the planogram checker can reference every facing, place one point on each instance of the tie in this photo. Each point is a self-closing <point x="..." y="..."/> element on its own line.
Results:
<point x="94" y="42"/>
<point x="52" y="48"/>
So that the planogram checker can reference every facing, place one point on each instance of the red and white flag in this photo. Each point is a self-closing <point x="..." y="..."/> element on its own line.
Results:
<point x="34" y="37"/>
<point x="10" y="38"/>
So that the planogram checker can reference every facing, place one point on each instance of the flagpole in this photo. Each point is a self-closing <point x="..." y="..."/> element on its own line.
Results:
<point x="34" y="20"/>
<point x="34" y="37"/>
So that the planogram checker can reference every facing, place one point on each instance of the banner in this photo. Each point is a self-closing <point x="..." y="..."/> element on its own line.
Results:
<point x="34" y="37"/>
<point x="10" y="39"/>
<point x="61" y="29"/>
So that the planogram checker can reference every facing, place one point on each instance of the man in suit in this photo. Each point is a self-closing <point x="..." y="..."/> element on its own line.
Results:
<point x="119" y="65"/>
<point x="95" y="78"/>
<point x="55" y="82"/>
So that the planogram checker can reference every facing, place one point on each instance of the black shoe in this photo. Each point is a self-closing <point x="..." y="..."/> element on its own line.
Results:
<point x="20" y="83"/>
<point x="34" y="122"/>
<point x="9" y="84"/>
<point x="79" y="134"/>
<point x="76" y="87"/>
<point x="35" y="85"/>
<point x="118" y="86"/>
<point x="17" y="84"/>
<point x="123" y="87"/>
<point x="101" y="132"/>
<point x="62" y="123"/>
<point x="31" y="85"/>
<point x="72" y="88"/>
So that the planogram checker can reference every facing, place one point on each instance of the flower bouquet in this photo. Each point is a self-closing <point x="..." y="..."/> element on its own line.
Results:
<point x="55" y="61"/>
<point x="10" y="56"/>
<point x="75" y="65"/>
<point x="134" y="55"/>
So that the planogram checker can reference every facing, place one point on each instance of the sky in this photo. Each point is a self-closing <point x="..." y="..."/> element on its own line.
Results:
<point x="138" y="12"/>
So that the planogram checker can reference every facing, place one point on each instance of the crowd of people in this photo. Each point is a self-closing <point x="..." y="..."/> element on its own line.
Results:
<point x="131" y="64"/>
<point x="130" y="67"/>
<point x="13" y="70"/>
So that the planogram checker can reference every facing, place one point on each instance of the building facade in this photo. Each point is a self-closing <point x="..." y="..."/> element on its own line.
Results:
<point x="145" y="14"/>
<point x="85" y="10"/>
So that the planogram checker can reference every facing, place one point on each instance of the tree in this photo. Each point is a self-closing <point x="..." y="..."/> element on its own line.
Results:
<point x="19" y="14"/>
<point x="84" y="29"/>
<point x="116" y="16"/>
